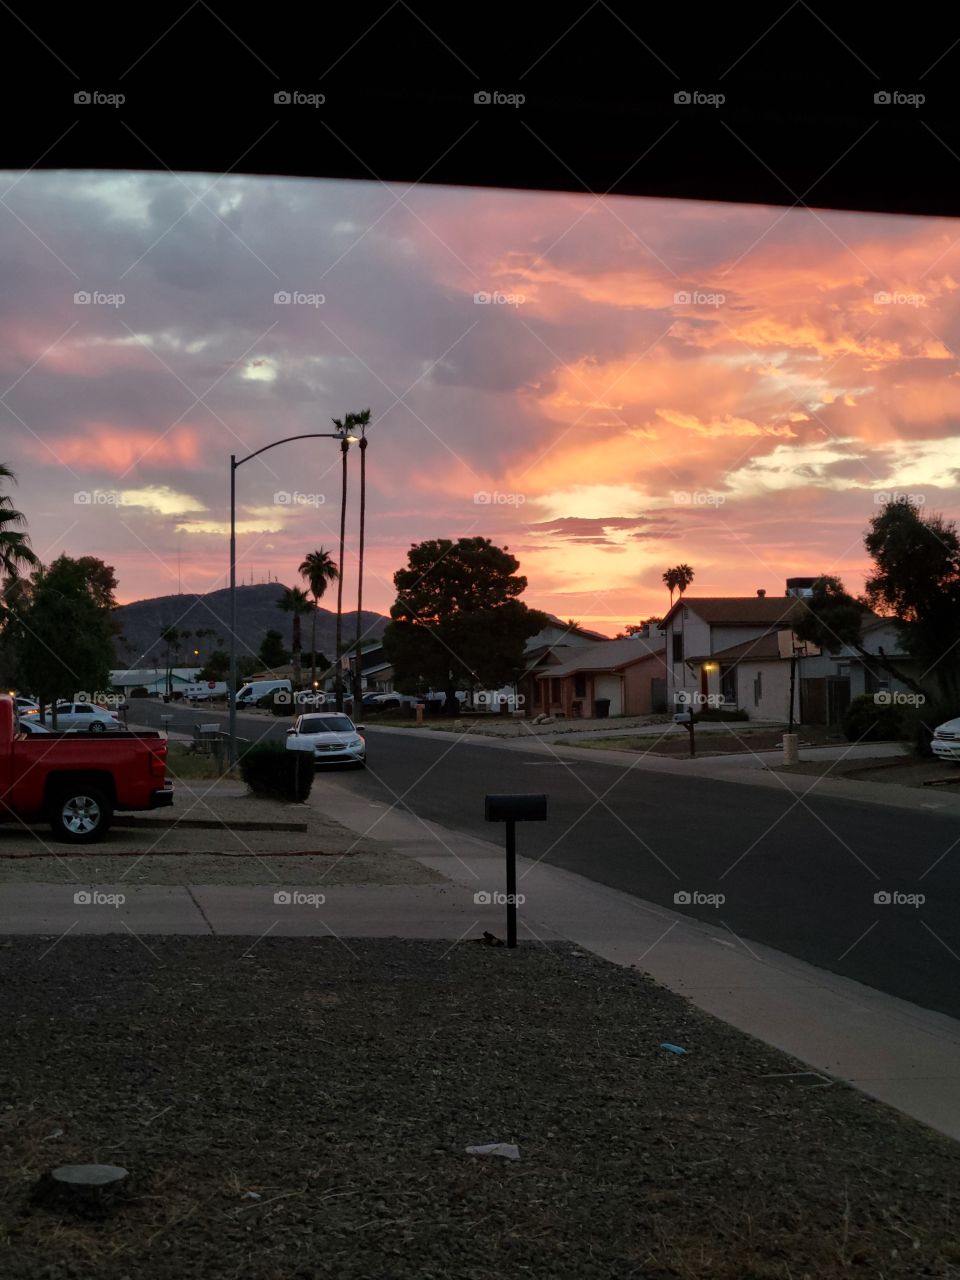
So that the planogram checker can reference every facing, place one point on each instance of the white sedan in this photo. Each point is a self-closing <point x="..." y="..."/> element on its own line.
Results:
<point x="945" y="743"/>
<point x="86" y="717"/>
<point x="332" y="737"/>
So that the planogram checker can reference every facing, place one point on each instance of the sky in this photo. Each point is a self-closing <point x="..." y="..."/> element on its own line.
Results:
<point x="607" y="386"/>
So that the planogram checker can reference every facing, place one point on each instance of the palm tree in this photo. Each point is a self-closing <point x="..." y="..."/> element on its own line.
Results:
<point x="171" y="638"/>
<point x="319" y="569"/>
<point x="15" y="551"/>
<point x="677" y="579"/>
<point x="298" y="603"/>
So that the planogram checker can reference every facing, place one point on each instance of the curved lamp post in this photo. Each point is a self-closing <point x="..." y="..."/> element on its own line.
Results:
<point x="235" y="462"/>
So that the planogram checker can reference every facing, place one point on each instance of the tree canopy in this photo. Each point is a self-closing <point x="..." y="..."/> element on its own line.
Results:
<point x="457" y="621"/>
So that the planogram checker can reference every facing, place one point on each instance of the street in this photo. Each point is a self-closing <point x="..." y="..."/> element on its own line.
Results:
<point x="798" y="875"/>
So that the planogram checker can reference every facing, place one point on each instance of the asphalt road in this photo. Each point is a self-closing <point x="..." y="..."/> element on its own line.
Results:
<point x="797" y="875"/>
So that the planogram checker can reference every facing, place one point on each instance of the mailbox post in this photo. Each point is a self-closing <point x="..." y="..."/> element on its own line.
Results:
<point x="512" y="809"/>
<point x="685" y="718"/>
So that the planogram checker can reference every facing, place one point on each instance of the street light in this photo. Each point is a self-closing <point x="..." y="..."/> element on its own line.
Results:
<point x="345" y="442"/>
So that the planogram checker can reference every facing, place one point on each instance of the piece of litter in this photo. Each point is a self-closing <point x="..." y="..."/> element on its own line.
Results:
<point x="250" y="1195"/>
<point x="57" y="1133"/>
<point x="507" y="1149"/>
<point x="672" y="1048"/>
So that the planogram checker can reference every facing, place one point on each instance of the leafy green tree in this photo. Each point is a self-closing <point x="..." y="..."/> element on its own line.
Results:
<point x="272" y="653"/>
<point x="917" y="578"/>
<point x="296" y="602"/>
<point x="320" y="570"/>
<point x="217" y="666"/>
<point x="66" y="634"/>
<point x="457" y="622"/>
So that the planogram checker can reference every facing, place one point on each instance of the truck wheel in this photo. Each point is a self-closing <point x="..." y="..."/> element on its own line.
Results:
<point x="81" y="815"/>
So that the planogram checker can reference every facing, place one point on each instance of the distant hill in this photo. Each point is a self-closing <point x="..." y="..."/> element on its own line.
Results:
<point x="142" y="621"/>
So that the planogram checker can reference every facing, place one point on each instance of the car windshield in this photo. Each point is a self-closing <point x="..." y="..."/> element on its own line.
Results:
<point x="326" y="724"/>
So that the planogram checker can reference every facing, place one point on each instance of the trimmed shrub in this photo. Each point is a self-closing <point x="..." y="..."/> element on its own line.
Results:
<point x="139" y="692"/>
<point x="718" y="714"/>
<point x="270" y="769"/>
<point x="866" y="720"/>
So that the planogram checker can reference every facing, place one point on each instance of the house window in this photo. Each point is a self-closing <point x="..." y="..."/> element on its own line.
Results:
<point x="758" y="689"/>
<point x="579" y="685"/>
<point x="678" y="647"/>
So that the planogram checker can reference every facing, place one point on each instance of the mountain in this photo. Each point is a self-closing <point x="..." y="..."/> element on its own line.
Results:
<point x="142" y="621"/>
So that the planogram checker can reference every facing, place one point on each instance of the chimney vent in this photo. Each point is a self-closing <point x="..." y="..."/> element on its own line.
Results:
<point x="761" y="593"/>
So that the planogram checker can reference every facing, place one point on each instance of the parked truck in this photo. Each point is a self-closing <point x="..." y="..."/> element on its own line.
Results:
<point x="77" y="782"/>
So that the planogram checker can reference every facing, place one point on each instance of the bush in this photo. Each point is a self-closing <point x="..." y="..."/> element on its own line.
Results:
<point x="139" y="692"/>
<point x="719" y="714"/>
<point x="269" y="769"/>
<point x="866" y="720"/>
<point x="281" y="708"/>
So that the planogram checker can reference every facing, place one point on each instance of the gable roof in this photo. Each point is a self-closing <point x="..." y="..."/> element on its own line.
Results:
<point x="554" y="621"/>
<point x="760" y="647"/>
<point x="740" y="610"/>
<point x="609" y="655"/>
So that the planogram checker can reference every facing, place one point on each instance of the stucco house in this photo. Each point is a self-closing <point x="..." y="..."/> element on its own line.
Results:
<point x="621" y="672"/>
<point x="726" y="646"/>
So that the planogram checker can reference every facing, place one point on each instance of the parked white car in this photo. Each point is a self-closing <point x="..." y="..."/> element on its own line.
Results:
<point x="31" y="725"/>
<point x="254" y="690"/>
<point x="331" y="736"/>
<point x="27" y="706"/>
<point x="85" y="717"/>
<point x="945" y="743"/>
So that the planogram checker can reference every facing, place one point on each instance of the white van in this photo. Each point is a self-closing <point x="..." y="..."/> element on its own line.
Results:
<point x="252" y="692"/>
<point x="204" y="690"/>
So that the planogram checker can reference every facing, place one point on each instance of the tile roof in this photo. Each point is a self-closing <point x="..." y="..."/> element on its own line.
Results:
<point x="746" y="610"/>
<point x="610" y="655"/>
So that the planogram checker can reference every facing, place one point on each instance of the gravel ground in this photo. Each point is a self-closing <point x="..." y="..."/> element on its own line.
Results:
<point x="340" y="1085"/>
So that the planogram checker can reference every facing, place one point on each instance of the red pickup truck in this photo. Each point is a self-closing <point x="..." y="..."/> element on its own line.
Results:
<point x="76" y="782"/>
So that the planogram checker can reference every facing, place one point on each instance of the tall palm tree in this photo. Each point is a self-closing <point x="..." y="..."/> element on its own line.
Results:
<point x="320" y="569"/>
<point x="298" y="603"/>
<point x="15" y="552"/>
<point x="677" y="579"/>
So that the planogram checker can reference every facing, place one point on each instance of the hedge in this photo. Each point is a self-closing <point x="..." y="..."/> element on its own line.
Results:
<point x="271" y="769"/>
<point x="866" y="720"/>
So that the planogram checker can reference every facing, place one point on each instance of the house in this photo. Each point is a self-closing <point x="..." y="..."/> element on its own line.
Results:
<point x="153" y="679"/>
<point x="713" y="650"/>
<point x="621" y="672"/>
<point x="548" y="648"/>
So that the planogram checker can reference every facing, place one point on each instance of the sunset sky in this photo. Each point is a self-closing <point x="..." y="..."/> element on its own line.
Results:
<point x="616" y="427"/>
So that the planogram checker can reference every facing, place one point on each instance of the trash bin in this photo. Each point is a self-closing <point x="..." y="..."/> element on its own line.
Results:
<point x="601" y="708"/>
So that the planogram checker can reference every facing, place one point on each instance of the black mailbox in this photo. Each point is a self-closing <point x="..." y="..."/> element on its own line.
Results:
<point x="512" y="809"/>
<point x="515" y="808"/>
